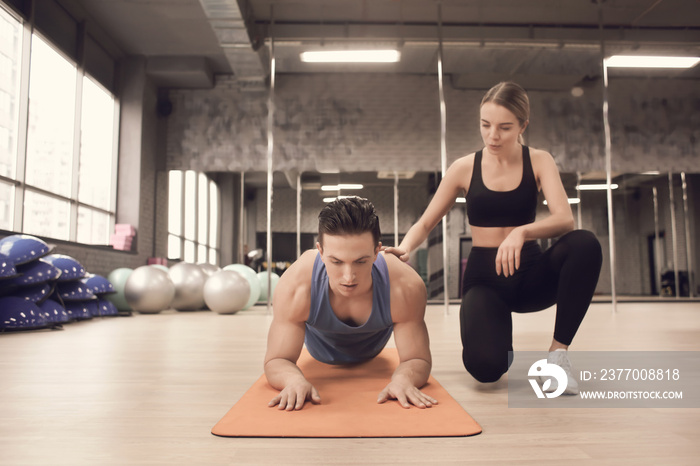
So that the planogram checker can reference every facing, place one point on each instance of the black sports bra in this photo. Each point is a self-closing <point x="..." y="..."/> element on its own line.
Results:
<point x="486" y="208"/>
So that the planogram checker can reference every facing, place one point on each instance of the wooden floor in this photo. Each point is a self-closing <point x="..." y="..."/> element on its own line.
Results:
<point x="147" y="390"/>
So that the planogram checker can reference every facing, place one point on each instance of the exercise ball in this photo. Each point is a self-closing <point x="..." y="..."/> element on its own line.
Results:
<point x="73" y="291"/>
<point x="20" y="314"/>
<point x="98" y="284"/>
<point x="107" y="308"/>
<point x="149" y="290"/>
<point x="117" y="278"/>
<point x="252" y="277"/>
<point x="21" y="249"/>
<point x="262" y="278"/>
<point x="226" y="292"/>
<point x="7" y="267"/>
<point x="189" y="281"/>
<point x="209" y="269"/>
<point x="35" y="272"/>
<point x="54" y="312"/>
<point x="160" y="267"/>
<point x="70" y="268"/>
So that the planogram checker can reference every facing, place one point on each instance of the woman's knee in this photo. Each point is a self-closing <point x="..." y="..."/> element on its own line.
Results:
<point x="583" y="244"/>
<point x="489" y="368"/>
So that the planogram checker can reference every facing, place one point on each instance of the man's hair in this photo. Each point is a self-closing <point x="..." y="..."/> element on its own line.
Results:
<point x="349" y="216"/>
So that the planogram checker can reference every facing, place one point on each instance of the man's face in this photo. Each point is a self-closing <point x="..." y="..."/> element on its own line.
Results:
<point x="348" y="260"/>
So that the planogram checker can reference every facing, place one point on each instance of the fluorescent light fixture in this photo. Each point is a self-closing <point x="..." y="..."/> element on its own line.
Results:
<point x="338" y="187"/>
<point x="572" y="200"/>
<point x="639" y="61"/>
<point x="461" y="200"/>
<point x="331" y="199"/>
<point x="595" y="187"/>
<point x="351" y="56"/>
<point x="652" y="173"/>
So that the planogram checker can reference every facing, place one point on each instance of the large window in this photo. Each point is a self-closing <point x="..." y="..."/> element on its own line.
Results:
<point x="57" y="151"/>
<point x="193" y="217"/>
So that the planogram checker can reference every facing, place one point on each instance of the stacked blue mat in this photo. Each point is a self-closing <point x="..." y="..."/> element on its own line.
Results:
<point x="41" y="290"/>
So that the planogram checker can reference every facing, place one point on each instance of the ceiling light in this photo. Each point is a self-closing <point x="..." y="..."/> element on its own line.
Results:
<point x="595" y="187"/>
<point x="331" y="199"/>
<point x="638" y="61"/>
<point x="572" y="200"/>
<point x="338" y="187"/>
<point x="461" y="200"/>
<point x="351" y="56"/>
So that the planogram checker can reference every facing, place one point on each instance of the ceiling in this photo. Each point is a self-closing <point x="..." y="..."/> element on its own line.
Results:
<point x="543" y="44"/>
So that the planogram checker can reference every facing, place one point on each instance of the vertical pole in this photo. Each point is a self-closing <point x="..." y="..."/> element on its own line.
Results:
<point x="688" y="251"/>
<point x="657" y="239"/>
<point x="578" y="206"/>
<point x="298" y="215"/>
<point x="241" y="223"/>
<point x="608" y="160"/>
<point x="270" y="149"/>
<point x="396" y="209"/>
<point x="443" y="159"/>
<point x="674" y="233"/>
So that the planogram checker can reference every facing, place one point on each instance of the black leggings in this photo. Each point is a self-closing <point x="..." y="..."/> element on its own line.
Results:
<point x="566" y="274"/>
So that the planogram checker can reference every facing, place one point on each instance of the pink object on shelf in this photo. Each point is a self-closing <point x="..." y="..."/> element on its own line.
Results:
<point x="121" y="242"/>
<point x="124" y="229"/>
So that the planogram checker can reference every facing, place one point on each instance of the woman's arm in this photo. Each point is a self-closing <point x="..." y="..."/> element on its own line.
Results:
<point x="560" y="220"/>
<point x="455" y="181"/>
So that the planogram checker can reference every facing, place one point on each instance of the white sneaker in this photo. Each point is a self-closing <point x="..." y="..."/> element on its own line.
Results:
<point x="560" y="358"/>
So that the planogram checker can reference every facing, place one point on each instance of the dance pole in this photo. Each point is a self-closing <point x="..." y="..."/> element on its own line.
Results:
<point x="443" y="157"/>
<point x="270" y="148"/>
<point x="674" y="234"/>
<point x="396" y="209"/>
<point x="657" y="242"/>
<point x="688" y="252"/>
<point x="241" y="225"/>
<point x="608" y="159"/>
<point x="298" y="215"/>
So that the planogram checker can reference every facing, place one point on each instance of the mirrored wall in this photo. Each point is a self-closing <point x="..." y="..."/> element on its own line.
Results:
<point x="652" y="226"/>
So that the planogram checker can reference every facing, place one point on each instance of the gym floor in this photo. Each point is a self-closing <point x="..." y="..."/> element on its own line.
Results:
<point x="147" y="389"/>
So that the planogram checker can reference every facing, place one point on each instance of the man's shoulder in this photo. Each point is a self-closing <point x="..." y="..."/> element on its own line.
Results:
<point x="407" y="288"/>
<point x="399" y="268"/>
<point x="293" y="292"/>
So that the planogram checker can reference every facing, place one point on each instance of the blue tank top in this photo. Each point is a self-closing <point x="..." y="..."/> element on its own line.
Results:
<point x="332" y="341"/>
<point x="486" y="208"/>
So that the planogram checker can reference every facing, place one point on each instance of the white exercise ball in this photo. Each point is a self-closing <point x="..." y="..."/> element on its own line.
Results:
<point x="149" y="290"/>
<point x="252" y="277"/>
<point x="209" y="269"/>
<point x="226" y="292"/>
<point x="189" y="282"/>
<point x="262" y="278"/>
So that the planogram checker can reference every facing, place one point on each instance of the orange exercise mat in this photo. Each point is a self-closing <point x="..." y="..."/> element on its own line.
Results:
<point x="348" y="407"/>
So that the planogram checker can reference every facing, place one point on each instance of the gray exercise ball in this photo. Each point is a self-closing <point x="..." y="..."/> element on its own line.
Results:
<point x="189" y="282"/>
<point x="226" y="292"/>
<point x="149" y="290"/>
<point x="252" y="277"/>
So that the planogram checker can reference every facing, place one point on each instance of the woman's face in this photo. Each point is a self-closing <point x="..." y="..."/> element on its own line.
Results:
<point x="500" y="128"/>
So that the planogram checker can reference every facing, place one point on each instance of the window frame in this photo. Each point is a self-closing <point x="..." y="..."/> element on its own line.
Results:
<point x="19" y="184"/>
<point x="186" y="242"/>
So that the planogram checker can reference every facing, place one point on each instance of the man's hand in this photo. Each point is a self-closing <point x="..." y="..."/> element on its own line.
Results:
<point x="406" y="394"/>
<point x="294" y="395"/>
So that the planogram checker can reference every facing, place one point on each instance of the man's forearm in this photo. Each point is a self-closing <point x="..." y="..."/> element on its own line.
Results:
<point x="416" y="371"/>
<point x="281" y="372"/>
